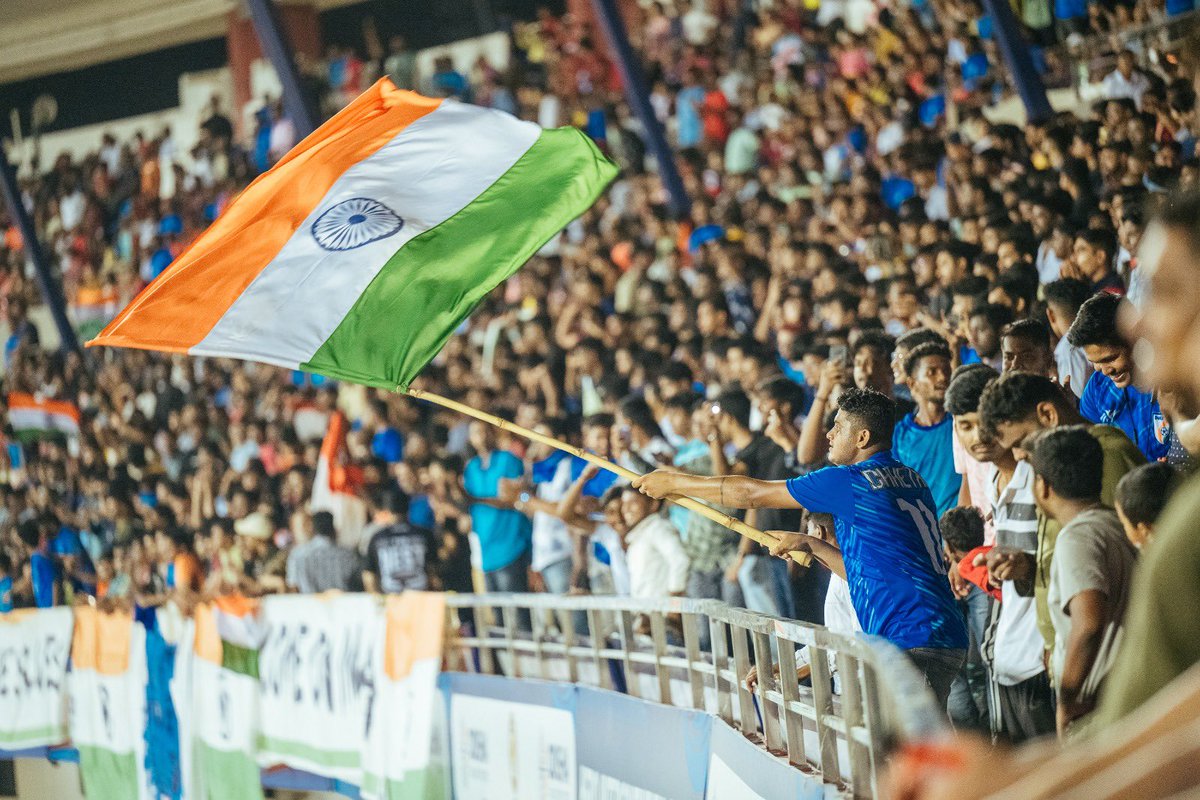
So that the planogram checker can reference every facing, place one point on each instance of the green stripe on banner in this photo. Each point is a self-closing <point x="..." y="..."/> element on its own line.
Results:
<point x="419" y="784"/>
<point x="242" y="660"/>
<point x="434" y="281"/>
<point x="51" y="733"/>
<point x="225" y="775"/>
<point x="328" y="758"/>
<point x="107" y="774"/>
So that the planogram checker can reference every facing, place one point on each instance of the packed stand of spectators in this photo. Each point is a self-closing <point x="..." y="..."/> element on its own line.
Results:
<point x="887" y="320"/>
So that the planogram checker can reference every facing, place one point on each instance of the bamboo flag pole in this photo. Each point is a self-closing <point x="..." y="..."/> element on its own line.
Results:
<point x="733" y="523"/>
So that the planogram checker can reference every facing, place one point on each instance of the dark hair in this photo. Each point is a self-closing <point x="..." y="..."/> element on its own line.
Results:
<point x="29" y="533"/>
<point x="873" y="410"/>
<point x="600" y="420"/>
<point x="962" y="529"/>
<point x="970" y="286"/>
<point x="966" y="385"/>
<point x="717" y="301"/>
<point x="392" y="499"/>
<point x="1014" y="397"/>
<point x="1067" y="293"/>
<point x="1100" y="239"/>
<point x="5" y="563"/>
<point x="927" y="350"/>
<point x="637" y="411"/>
<point x="685" y="400"/>
<point x="877" y="340"/>
<point x="1069" y="459"/>
<point x="1096" y="323"/>
<point x="736" y="404"/>
<point x="783" y="390"/>
<point x="323" y="525"/>
<point x="997" y="315"/>
<point x="1143" y="492"/>
<point x="676" y="371"/>
<point x="916" y="337"/>
<point x="1031" y="330"/>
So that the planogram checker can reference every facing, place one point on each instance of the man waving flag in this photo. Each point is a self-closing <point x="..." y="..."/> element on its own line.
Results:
<point x="363" y="249"/>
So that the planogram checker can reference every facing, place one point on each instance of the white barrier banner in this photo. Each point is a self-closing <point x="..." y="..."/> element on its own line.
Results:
<point x="318" y="672"/>
<point x="34" y="646"/>
<point x="510" y="751"/>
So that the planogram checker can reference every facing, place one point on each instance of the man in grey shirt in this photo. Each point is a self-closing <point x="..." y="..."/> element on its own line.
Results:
<point x="1092" y="568"/>
<point x="321" y="565"/>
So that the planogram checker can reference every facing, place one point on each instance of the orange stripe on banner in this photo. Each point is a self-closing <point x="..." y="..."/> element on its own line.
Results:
<point x="416" y="623"/>
<point x="237" y="605"/>
<point x="101" y="641"/>
<point x="181" y="306"/>
<point x="206" y="642"/>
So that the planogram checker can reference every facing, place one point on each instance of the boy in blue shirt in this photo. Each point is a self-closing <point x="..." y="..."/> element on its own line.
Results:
<point x="924" y="438"/>
<point x="889" y="548"/>
<point x="43" y="569"/>
<point x="504" y="534"/>
<point x="1110" y="398"/>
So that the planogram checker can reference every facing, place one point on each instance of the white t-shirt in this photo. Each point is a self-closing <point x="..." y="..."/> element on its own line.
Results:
<point x="658" y="564"/>
<point x="1072" y="362"/>
<point x="1019" y="644"/>
<point x="607" y="564"/>
<point x="551" y="539"/>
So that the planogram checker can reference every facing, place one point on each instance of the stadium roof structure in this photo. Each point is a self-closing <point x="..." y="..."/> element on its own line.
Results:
<point x="41" y="37"/>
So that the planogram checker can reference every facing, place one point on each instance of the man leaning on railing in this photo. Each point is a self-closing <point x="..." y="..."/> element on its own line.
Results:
<point x="888" y="547"/>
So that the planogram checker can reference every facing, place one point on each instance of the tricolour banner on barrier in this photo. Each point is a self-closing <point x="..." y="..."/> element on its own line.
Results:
<point x="221" y="704"/>
<point x="398" y="762"/>
<point x="34" y="648"/>
<point x="108" y="703"/>
<point x="318" y="672"/>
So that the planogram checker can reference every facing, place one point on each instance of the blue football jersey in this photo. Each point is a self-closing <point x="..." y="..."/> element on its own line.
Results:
<point x="887" y="528"/>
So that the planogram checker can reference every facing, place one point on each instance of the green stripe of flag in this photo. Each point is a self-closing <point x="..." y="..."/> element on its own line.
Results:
<point x="434" y="281"/>
<point x="50" y="734"/>
<point x="242" y="660"/>
<point x="107" y="773"/>
<point x="326" y="757"/>
<point x="226" y="775"/>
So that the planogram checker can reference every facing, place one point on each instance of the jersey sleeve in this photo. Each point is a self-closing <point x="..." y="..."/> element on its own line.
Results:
<point x="827" y="490"/>
<point x="1089" y="401"/>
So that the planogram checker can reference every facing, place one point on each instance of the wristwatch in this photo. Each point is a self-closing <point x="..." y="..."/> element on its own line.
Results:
<point x="521" y="501"/>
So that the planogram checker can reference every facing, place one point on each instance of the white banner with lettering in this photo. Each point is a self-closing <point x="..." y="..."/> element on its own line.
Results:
<point x="318" y="670"/>
<point x="34" y="647"/>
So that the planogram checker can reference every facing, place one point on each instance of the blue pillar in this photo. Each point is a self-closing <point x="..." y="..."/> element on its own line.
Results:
<point x="52" y="294"/>
<point x="279" y="53"/>
<point x="638" y="97"/>
<point x="1017" y="58"/>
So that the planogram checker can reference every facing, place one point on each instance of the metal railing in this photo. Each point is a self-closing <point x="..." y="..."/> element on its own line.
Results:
<point x="863" y="696"/>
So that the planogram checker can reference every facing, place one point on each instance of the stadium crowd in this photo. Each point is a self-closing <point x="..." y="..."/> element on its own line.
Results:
<point x="912" y="314"/>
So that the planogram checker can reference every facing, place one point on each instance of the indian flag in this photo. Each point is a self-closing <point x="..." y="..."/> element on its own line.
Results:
<point x="222" y="710"/>
<point x="35" y="417"/>
<point x="336" y="484"/>
<point x="402" y="759"/>
<point x="108" y="703"/>
<point x="362" y="250"/>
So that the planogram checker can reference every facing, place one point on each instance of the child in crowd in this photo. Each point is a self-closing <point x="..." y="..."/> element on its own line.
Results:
<point x="962" y="539"/>
<point x="1141" y="496"/>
